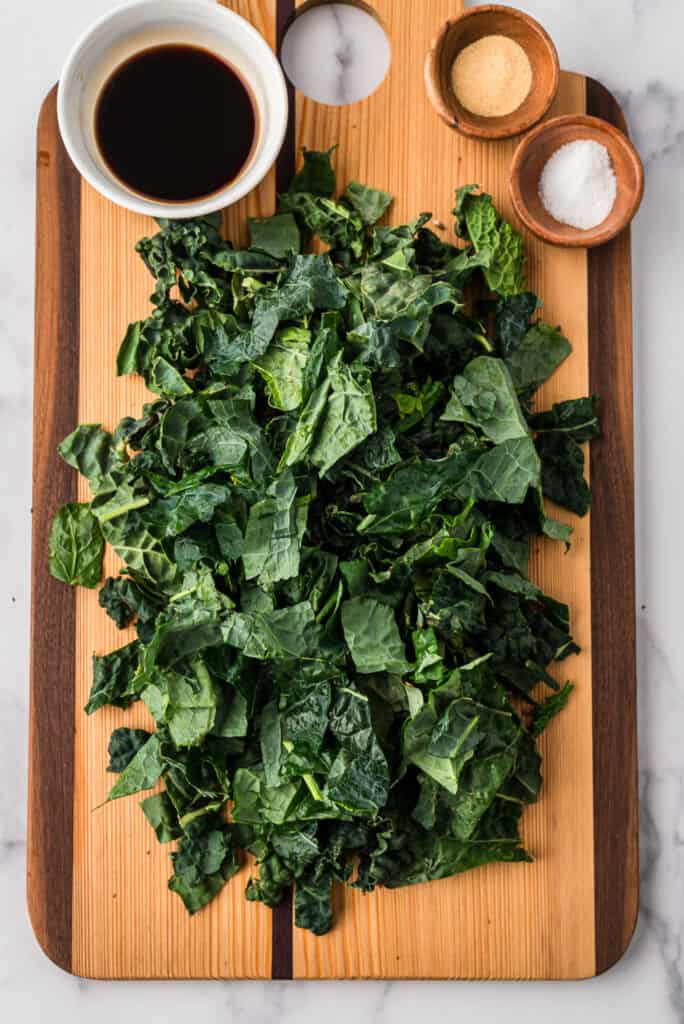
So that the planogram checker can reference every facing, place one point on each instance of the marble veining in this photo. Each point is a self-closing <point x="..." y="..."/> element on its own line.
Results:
<point x="344" y="55"/>
<point x="629" y="45"/>
<point x="352" y="48"/>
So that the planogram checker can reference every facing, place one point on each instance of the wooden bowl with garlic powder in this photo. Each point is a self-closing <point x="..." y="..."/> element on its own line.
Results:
<point x="492" y="73"/>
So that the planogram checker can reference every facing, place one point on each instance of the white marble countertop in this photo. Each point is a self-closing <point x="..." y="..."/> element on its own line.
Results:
<point x="630" y="46"/>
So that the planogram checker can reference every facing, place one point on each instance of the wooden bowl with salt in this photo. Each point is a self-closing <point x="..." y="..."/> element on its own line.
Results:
<point x="474" y="25"/>
<point x="539" y="146"/>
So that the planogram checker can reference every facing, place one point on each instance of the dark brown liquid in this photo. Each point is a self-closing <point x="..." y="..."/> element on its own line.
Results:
<point x="175" y="123"/>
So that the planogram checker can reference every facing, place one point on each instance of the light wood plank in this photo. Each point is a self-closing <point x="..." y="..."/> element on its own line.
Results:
<point x="503" y="921"/>
<point x="125" y="922"/>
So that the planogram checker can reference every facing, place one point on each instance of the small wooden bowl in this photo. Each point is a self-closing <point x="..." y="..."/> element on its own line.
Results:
<point x="487" y="20"/>
<point x="528" y="163"/>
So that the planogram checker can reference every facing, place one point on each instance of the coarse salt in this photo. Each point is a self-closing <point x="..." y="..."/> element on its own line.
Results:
<point x="578" y="185"/>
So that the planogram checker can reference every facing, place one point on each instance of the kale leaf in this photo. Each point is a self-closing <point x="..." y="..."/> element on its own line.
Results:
<point x="498" y="246"/>
<point x="124" y="744"/>
<point x="553" y="705"/>
<point x="76" y="546"/>
<point x="203" y="863"/>
<point x="113" y="678"/>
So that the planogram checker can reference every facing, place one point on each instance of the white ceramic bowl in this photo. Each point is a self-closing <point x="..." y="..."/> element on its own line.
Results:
<point x="138" y="26"/>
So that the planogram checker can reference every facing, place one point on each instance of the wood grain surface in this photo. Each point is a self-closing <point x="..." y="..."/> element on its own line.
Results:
<point x="53" y="609"/>
<point x="616" y="823"/>
<point x="97" y="893"/>
<point x="501" y="921"/>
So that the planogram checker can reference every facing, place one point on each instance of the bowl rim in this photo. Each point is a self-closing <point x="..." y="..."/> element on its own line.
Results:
<point x="579" y="239"/>
<point x="231" y="193"/>
<point x="501" y="130"/>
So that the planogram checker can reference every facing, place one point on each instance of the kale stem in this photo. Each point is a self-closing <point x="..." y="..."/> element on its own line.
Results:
<point x="307" y="776"/>
<point x="312" y="786"/>
<point x="123" y="509"/>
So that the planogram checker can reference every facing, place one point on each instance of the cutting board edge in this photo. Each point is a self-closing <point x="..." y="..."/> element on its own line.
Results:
<point x="614" y="706"/>
<point x="56" y="355"/>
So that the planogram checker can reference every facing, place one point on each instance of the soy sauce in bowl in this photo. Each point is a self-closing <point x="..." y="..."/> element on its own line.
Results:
<point x="175" y="123"/>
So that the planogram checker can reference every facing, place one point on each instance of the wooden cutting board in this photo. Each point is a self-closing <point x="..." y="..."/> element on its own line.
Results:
<point x="97" y="878"/>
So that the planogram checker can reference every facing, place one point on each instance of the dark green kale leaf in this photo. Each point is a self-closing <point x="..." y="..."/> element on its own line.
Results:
<point x="369" y="203"/>
<point x="186" y="705"/>
<point x="274" y="881"/>
<point x="113" y="678"/>
<point x="372" y="636"/>
<point x="342" y="223"/>
<point x="275" y="530"/>
<point x="406" y="854"/>
<point x="577" y="417"/>
<point x="497" y="244"/>
<point x="142" y="771"/>
<point x="335" y="223"/>
<point x="562" y="471"/>
<point x="76" y="546"/>
<point x="539" y="353"/>
<point x="123" y="600"/>
<point x="316" y="176"/>
<point x="484" y="397"/>
<point x="92" y="451"/>
<point x="162" y="816"/>
<point x="313" y="899"/>
<point x="559" y="434"/>
<point x="124" y="744"/>
<point x="503" y="473"/>
<point x="349" y="416"/>
<point x="398" y="505"/>
<point x="144" y="555"/>
<point x="513" y="315"/>
<point x="278" y="236"/>
<point x="359" y="776"/>
<point x="553" y="705"/>
<point x="283" y="366"/>
<point x="203" y="863"/>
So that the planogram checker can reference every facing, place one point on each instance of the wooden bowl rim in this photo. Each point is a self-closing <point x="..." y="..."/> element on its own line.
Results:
<point x="510" y="127"/>
<point x="593" y="236"/>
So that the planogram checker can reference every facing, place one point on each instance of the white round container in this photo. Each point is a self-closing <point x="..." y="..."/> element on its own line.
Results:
<point x="138" y="26"/>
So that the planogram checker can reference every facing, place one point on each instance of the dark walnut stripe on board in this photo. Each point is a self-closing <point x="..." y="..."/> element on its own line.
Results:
<point x="613" y="597"/>
<point x="285" y="163"/>
<point x="281" y="920"/>
<point x="281" y="940"/>
<point x="53" y="613"/>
